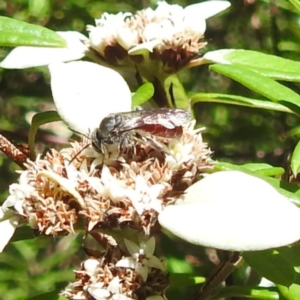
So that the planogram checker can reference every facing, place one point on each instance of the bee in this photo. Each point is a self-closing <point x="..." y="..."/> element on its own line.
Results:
<point x="121" y="128"/>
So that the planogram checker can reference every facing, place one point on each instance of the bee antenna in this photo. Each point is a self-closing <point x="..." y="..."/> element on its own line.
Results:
<point x="79" y="133"/>
<point x="76" y="155"/>
<point x="82" y="134"/>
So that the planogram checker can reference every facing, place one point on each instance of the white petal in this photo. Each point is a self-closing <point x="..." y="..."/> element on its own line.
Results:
<point x="195" y="25"/>
<point x="97" y="292"/>
<point x="217" y="56"/>
<point x="7" y="229"/>
<point x="114" y="285"/>
<point x="26" y="57"/>
<point x="126" y="262"/>
<point x="65" y="184"/>
<point x="206" y="9"/>
<point x="232" y="210"/>
<point x="91" y="265"/>
<point x="127" y="38"/>
<point x="84" y="93"/>
<point x="144" y="47"/>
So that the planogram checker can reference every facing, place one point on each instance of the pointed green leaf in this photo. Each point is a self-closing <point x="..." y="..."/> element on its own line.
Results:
<point x="295" y="160"/>
<point x="238" y="100"/>
<point x="296" y="3"/>
<point x="23" y="233"/>
<point x="268" y="65"/>
<point x="290" y="293"/>
<point x="260" y="84"/>
<point x="272" y="265"/>
<point x="143" y="94"/>
<point x="38" y="120"/>
<point x="264" y="169"/>
<point x="53" y="295"/>
<point x="17" y="33"/>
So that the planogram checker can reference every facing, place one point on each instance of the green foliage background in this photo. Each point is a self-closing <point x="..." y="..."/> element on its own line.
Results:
<point x="235" y="134"/>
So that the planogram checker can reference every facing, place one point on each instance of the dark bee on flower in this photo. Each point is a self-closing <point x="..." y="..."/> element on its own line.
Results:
<point x="123" y="127"/>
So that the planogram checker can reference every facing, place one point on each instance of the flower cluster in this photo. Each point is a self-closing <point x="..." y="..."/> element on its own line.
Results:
<point x="124" y="188"/>
<point x="113" y="276"/>
<point x="170" y="35"/>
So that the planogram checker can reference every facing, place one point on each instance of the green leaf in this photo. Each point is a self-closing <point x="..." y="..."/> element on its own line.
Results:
<point x="296" y="3"/>
<point x="238" y="100"/>
<point x="295" y="160"/>
<point x="17" y="33"/>
<point x="23" y="233"/>
<point x="260" y="84"/>
<point x="39" y="8"/>
<point x="176" y="93"/>
<point x="290" y="293"/>
<point x="38" y="120"/>
<point x="292" y="254"/>
<point x="179" y="280"/>
<point x="264" y="169"/>
<point x="272" y="265"/>
<point x="268" y="65"/>
<point x="143" y="94"/>
<point x="248" y="292"/>
<point x="47" y="296"/>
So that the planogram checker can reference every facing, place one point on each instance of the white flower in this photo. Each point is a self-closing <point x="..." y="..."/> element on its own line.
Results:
<point x="172" y="21"/>
<point x="113" y="188"/>
<point x="232" y="210"/>
<point x="9" y="222"/>
<point x="142" y="258"/>
<point x="11" y="210"/>
<point x="98" y="292"/>
<point x="167" y="28"/>
<point x="145" y="197"/>
<point x="111" y="292"/>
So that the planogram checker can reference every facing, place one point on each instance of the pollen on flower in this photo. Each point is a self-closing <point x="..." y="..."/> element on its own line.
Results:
<point x="168" y="35"/>
<point x="124" y="188"/>
<point x="128" y="187"/>
<point x="111" y="276"/>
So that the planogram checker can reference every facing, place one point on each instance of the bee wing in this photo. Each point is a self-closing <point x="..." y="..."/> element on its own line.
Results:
<point x="169" y="118"/>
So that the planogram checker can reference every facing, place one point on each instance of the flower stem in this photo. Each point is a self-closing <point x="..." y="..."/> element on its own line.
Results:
<point x="11" y="151"/>
<point x="222" y="271"/>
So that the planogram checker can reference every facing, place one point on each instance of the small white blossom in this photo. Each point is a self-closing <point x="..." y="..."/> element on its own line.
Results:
<point x="98" y="292"/>
<point x="11" y="210"/>
<point x="112" y="187"/>
<point x="145" y="197"/>
<point x="142" y="258"/>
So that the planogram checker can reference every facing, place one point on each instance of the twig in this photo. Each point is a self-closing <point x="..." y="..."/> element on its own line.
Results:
<point x="222" y="271"/>
<point x="11" y="151"/>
